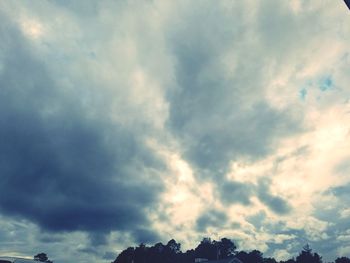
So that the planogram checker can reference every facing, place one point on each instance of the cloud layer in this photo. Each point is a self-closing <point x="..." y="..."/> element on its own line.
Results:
<point x="125" y="122"/>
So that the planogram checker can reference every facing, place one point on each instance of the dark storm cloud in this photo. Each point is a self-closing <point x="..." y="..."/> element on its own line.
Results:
<point x="60" y="166"/>
<point x="211" y="218"/>
<point x="144" y="235"/>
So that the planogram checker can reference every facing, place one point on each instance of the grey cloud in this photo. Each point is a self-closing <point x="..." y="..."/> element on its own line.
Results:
<point x="343" y="168"/>
<point x="50" y="238"/>
<point x="235" y="192"/>
<point x="211" y="218"/>
<point x="88" y="250"/>
<point x="275" y="203"/>
<point x="341" y="192"/>
<point x="257" y="220"/>
<point x="88" y="8"/>
<point x="98" y="239"/>
<point x="220" y="116"/>
<point x="61" y="167"/>
<point x="66" y="165"/>
<point x="144" y="235"/>
<point x="338" y="224"/>
<point x="108" y="255"/>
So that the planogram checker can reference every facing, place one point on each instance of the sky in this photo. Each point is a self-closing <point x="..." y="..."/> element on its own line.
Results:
<point x="124" y="122"/>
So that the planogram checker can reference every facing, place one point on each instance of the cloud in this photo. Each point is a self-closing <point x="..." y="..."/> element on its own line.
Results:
<point x="211" y="218"/>
<point x="144" y="235"/>
<point x="341" y="191"/>
<point x="220" y="117"/>
<point x="141" y="122"/>
<point x="275" y="203"/>
<point x="233" y="192"/>
<point x="62" y="167"/>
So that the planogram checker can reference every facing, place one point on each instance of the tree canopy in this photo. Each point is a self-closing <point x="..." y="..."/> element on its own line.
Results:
<point x="42" y="257"/>
<point x="210" y="250"/>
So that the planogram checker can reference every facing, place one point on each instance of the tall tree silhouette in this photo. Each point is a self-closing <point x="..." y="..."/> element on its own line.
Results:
<point x="254" y="256"/>
<point x="170" y="251"/>
<point x="140" y="254"/>
<point x="226" y="248"/>
<point x="206" y="249"/>
<point x="306" y="256"/>
<point x="42" y="257"/>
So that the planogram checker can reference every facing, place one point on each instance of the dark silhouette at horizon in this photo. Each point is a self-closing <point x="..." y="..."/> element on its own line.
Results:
<point x="211" y="251"/>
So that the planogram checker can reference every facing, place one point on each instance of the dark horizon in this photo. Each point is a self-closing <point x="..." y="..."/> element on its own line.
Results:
<point x="212" y="251"/>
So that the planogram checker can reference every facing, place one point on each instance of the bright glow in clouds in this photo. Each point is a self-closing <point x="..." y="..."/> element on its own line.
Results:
<point x="32" y="28"/>
<point x="174" y="119"/>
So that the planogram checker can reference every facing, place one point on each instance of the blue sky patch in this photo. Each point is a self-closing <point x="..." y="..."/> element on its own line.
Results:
<point x="326" y="84"/>
<point x="302" y="94"/>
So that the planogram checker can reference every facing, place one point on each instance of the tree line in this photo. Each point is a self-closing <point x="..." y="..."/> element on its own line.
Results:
<point x="211" y="250"/>
<point x="42" y="257"/>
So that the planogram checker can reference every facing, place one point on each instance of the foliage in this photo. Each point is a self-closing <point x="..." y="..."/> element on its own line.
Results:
<point x="171" y="252"/>
<point x="42" y="257"/>
<point x="342" y="260"/>
<point x="306" y="256"/>
<point x="211" y="250"/>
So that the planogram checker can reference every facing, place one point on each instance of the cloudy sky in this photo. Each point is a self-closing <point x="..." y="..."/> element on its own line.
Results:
<point x="140" y="121"/>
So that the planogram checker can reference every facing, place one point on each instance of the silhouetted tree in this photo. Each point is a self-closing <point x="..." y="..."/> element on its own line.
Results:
<point x="126" y="256"/>
<point x="188" y="256"/>
<point x="269" y="260"/>
<point x="42" y="257"/>
<point x="254" y="256"/>
<point x="159" y="253"/>
<point x="155" y="253"/>
<point x="226" y="248"/>
<point x="211" y="250"/>
<point x="242" y="255"/>
<point x="306" y="256"/>
<point x="292" y="260"/>
<point x="140" y="254"/>
<point x="206" y="249"/>
<point x="173" y="246"/>
<point x="342" y="260"/>
<point x="170" y="251"/>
